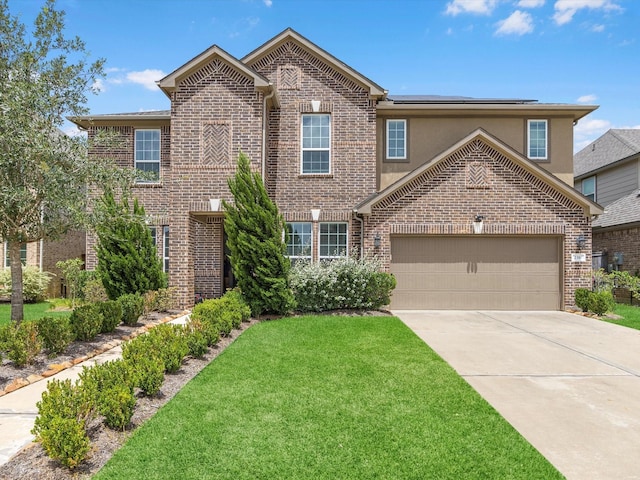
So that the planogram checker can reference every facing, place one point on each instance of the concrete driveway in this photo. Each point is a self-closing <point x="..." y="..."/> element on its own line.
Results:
<point x="569" y="384"/>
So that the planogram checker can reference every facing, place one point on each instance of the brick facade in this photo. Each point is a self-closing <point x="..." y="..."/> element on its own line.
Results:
<point x="623" y="240"/>
<point x="513" y="202"/>
<point x="220" y="106"/>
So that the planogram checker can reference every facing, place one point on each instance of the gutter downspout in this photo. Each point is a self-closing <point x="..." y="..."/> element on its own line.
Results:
<point x="264" y="132"/>
<point x="359" y="219"/>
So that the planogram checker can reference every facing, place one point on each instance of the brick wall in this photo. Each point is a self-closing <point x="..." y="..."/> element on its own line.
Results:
<point x="513" y="202"/>
<point x="300" y="78"/>
<point x="624" y="240"/>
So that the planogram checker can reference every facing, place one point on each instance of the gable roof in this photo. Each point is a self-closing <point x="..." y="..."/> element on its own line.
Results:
<point x="170" y="82"/>
<point x="589" y="207"/>
<point x="375" y="90"/>
<point x="623" y="211"/>
<point x="614" y="146"/>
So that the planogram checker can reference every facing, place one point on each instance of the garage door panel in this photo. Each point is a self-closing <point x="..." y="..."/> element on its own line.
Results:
<point x="499" y="273"/>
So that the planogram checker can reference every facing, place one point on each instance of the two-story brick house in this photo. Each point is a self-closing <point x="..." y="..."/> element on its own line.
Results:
<point x="353" y="169"/>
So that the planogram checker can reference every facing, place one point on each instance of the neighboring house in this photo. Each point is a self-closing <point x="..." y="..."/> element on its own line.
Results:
<point x="608" y="171"/>
<point x="45" y="254"/>
<point x="354" y="169"/>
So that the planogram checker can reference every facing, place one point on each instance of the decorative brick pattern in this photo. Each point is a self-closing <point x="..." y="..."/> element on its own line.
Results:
<point x="438" y="202"/>
<point x="289" y="77"/>
<point x="216" y="144"/>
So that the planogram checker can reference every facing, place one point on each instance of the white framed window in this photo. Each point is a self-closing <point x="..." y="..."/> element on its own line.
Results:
<point x="147" y="154"/>
<point x="588" y="187"/>
<point x="537" y="139"/>
<point x="316" y="143"/>
<point x="165" y="249"/>
<point x="333" y="240"/>
<point x="23" y="254"/>
<point x="396" y="139"/>
<point x="299" y="240"/>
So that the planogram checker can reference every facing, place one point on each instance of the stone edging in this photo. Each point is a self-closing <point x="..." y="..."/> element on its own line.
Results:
<point x="55" y="368"/>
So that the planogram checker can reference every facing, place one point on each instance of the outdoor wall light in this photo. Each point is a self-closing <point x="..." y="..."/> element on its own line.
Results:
<point x="581" y="241"/>
<point x="377" y="240"/>
<point x="214" y="204"/>
<point x="478" y="224"/>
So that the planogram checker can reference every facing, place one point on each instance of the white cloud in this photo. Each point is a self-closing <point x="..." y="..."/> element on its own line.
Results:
<point x="147" y="78"/>
<point x="597" y="28"/>
<point x="586" y="131"/>
<point x="478" y="7"/>
<point x="518" y="23"/>
<point x="268" y="3"/>
<point x="566" y="9"/>
<point x="530" y="3"/>
<point x="98" y="86"/>
<point x="587" y="98"/>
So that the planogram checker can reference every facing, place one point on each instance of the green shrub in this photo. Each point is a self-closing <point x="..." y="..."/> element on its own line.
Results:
<point x="237" y="301"/>
<point x="166" y="342"/>
<point x="132" y="307"/>
<point x="581" y="296"/>
<point x="55" y="333"/>
<point x="21" y="342"/>
<point x="117" y="404"/>
<point x="86" y="322"/>
<point x="92" y="290"/>
<point x="161" y="300"/>
<point x="172" y="345"/>
<point x="34" y="283"/>
<point x="197" y="340"/>
<point x="111" y="315"/>
<point x="601" y="302"/>
<point x="344" y="283"/>
<point x="149" y="373"/>
<point x="60" y="425"/>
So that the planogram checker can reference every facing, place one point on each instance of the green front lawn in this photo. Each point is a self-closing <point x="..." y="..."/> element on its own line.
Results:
<point x="326" y="397"/>
<point x="630" y="316"/>
<point x="32" y="311"/>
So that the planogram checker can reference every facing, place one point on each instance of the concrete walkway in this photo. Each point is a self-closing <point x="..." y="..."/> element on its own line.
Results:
<point x="18" y="409"/>
<point x="569" y="384"/>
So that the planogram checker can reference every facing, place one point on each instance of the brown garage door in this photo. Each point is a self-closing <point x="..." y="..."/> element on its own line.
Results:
<point x="469" y="273"/>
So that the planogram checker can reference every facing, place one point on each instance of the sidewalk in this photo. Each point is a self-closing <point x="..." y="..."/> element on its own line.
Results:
<point x="18" y="409"/>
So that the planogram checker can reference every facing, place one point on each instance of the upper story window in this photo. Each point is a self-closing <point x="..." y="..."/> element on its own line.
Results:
<point x="316" y="141"/>
<point x="396" y="139"/>
<point x="147" y="153"/>
<point x="588" y="187"/>
<point x="299" y="240"/>
<point x="537" y="139"/>
<point x="333" y="240"/>
<point x="23" y="254"/>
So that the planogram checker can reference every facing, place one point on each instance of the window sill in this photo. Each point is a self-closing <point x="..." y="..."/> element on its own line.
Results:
<point x="315" y="175"/>
<point x="396" y="160"/>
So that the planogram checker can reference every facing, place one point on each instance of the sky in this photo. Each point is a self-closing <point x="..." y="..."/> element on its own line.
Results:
<point x="554" y="51"/>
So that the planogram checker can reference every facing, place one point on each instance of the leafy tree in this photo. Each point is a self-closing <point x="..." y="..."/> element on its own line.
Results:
<point x="255" y="239"/>
<point x="44" y="174"/>
<point x="127" y="258"/>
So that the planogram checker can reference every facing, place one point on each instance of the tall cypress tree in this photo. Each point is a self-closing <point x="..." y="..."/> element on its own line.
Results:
<point x="254" y="231"/>
<point x="127" y="259"/>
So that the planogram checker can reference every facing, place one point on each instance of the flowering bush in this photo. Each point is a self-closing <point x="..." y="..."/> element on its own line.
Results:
<point x="344" y="283"/>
